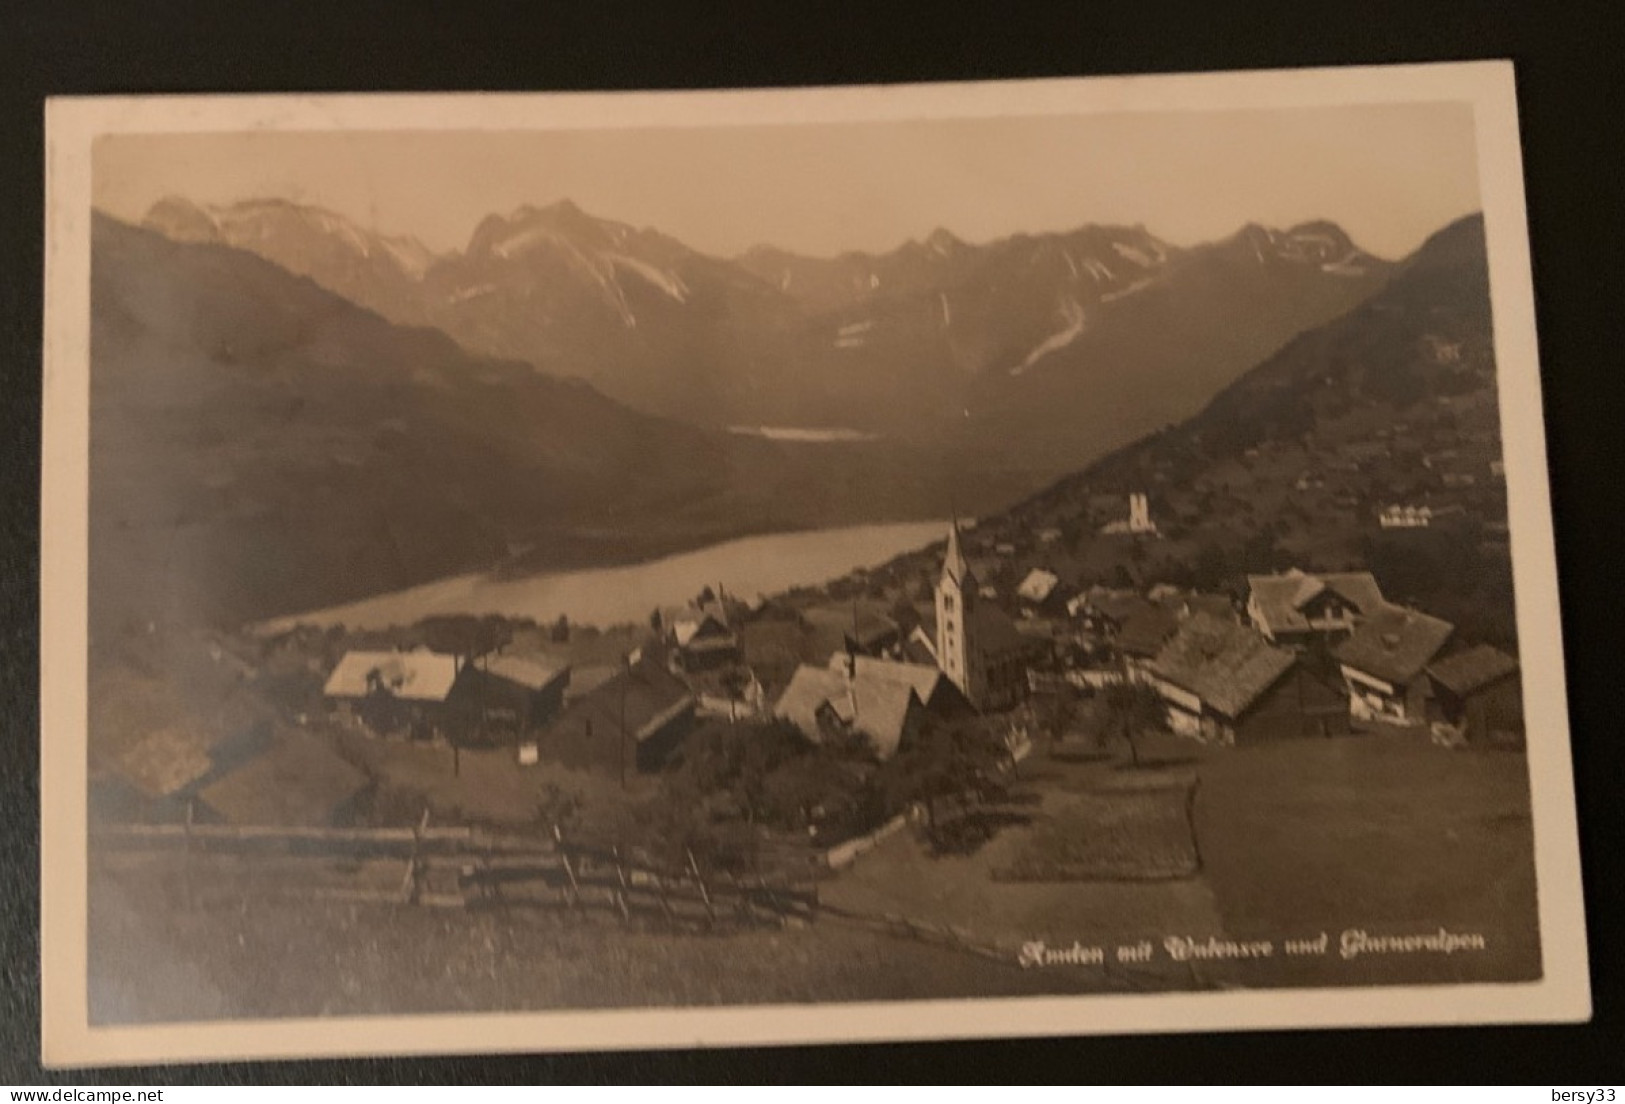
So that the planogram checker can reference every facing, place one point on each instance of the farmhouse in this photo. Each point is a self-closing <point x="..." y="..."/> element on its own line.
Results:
<point x="874" y="634"/>
<point x="512" y="694"/>
<point x="1039" y="590"/>
<point x="1478" y="694"/>
<point x="700" y="635"/>
<point x="1225" y="684"/>
<point x="1384" y="660"/>
<point x="881" y="700"/>
<point x="389" y="693"/>
<point x="1295" y="608"/>
<point x="633" y="720"/>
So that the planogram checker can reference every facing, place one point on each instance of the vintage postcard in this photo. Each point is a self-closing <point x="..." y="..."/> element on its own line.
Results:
<point x="529" y="572"/>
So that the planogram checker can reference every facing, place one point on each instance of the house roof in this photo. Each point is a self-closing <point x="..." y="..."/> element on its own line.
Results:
<point x="875" y="700"/>
<point x="299" y="780"/>
<point x="1214" y="605"/>
<point x="1474" y="669"/>
<point x="923" y="680"/>
<point x="1225" y="664"/>
<point x="686" y="623"/>
<point x="167" y="760"/>
<point x="645" y="694"/>
<point x="872" y="628"/>
<point x="1145" y="628"/>
<point x="1038" y="585"/>
<point x="996" y="634"/>
<point x="418" y="675"/>
<point x="1280" y="599"/>
<point x="1394" y="643"/>
<point x="1115" y="605"/>
<point x="918" y="647"/>
<point x="524" y="670"/>
<point x="584" y="680"/>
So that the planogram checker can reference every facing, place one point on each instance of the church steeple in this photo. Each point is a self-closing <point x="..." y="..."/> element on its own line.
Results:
<point x="959" y="652"/>
<point x="954" y="565"/>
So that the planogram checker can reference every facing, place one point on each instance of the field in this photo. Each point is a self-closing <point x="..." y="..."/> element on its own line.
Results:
<point x="1379" y="832"/>
<point x="1383" y="833"/>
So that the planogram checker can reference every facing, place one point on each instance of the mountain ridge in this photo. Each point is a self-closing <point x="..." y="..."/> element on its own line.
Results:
<point x="898" y="344"/>
<point x="260" y="445"/>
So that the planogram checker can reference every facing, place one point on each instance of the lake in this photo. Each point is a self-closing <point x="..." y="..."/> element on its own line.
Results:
<point x="749" y="568"/>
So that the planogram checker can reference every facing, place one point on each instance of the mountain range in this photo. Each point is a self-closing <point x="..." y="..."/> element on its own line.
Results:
<point x="1026" y="357"/>
<point x="260" y="445"/>
<point x="290" y="411"/>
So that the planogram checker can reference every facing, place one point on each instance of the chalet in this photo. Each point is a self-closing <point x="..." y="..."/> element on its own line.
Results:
<point x="513" y="694"/>
<point x="700" y="636"/>
<point x="1219" y="606"/>
<point x="1294" y="608"/>
<point x="1007" y="655"/>
<point x="1478" y="694"/>
<point x="884" y="701"/>
<point x="1224" y="683"/>
<point x="1041" y="591"/>
<point x="299" y="781"/>
<point x="873" y="634"/>
<point x="633" y="720"/>
<point x="395" y="693"/>
<point x="1383" y="663"/>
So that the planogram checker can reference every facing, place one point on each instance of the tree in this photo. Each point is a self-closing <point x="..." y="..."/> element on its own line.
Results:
<point x="1058" y="711"/>
<point x="1130" y="710"/>
<point x="945" y="760"/>
<point x="561" y="630"/>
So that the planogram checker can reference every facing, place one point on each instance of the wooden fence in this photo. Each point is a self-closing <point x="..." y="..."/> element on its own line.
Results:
<point x="467" y="867"/>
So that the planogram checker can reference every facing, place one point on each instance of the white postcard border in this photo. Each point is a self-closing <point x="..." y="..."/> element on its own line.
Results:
<point x="68" y="1038"/>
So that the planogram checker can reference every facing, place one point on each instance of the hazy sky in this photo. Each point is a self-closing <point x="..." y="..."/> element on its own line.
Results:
<point x="1390" y="174"/>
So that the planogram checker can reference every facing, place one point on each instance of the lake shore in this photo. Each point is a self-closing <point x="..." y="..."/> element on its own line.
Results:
<point x="748" y="567"/>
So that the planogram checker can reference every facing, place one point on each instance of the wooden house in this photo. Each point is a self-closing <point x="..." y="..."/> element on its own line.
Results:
<point x="512" y="695"/>
<point x="1296" y="609"/>
<point x="1224" y="683"/>
<point x="1384" y="660"/>
<point x="701" y="637"/>
<point x="632" y="721"/>
<point x="884" y="701"/>
<point x="1478" y="693"/>
<point x="404" y="693"/>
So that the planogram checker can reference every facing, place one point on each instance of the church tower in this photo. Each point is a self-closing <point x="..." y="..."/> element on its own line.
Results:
<point x="959" y="652"/>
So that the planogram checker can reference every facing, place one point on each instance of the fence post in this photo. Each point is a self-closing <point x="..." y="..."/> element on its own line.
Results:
<point x="574" y="892"/>
<point x="409" y="884"/>
<point x="1190" y="819"/>
<point x="620" y="894"/>
<point x="705" y="895"/>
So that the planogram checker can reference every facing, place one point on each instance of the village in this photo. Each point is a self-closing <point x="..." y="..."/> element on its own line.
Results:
<point x="806" y="727"/>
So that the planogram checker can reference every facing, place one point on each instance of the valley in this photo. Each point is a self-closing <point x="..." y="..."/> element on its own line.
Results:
<point x="1027" y="357"/>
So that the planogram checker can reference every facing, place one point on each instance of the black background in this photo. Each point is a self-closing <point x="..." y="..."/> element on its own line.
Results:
<point x="1572" y="105"/>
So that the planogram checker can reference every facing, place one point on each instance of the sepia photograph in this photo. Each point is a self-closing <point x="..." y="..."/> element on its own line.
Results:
<point x="549" y="571"/>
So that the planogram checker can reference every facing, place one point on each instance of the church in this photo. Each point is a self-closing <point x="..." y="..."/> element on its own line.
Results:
<point x="978" y="646"/>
